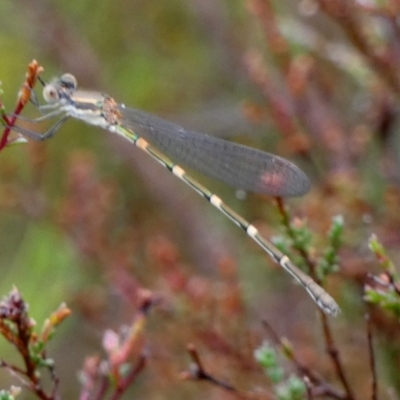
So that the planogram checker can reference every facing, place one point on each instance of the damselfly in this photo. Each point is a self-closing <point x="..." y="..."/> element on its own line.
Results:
<point x="237" y="165"/>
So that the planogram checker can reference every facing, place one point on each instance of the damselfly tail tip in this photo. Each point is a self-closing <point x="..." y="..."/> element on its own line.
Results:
<point x="323" y="299"/>
<point x="328" y="305"/>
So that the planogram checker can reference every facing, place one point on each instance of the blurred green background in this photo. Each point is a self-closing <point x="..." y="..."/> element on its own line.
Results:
<point x="77" y="208"/>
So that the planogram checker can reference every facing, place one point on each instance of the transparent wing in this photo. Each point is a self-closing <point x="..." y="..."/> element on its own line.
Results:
<point x="239" y="166"/>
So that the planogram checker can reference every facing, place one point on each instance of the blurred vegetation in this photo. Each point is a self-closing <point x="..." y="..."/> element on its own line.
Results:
<point x="87" y="220"/>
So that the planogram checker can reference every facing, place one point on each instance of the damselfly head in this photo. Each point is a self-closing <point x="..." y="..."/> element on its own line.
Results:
<point x="53" y="91"/>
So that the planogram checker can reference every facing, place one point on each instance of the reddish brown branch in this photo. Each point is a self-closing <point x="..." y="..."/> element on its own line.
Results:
<point x="125" y="384"/>
<point x="333" y="352"/>
<point x="34" y="70"/>
<point x="314" y="382"/>
<point x="197" y="371"/>
<point x="374" y="382"/>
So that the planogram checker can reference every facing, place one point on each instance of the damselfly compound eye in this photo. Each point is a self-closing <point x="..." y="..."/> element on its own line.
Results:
<point x="68" y="81"/>
<point x="50" y="94"/>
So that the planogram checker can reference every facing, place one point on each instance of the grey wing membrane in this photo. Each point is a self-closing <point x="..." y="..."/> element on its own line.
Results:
<point x="239" y="166"/>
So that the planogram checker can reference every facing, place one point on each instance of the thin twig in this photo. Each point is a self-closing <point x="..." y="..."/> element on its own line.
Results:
<point x="198" y="372"/>
<point x="374" y="383"/>
<point x="309" y="387"/>
<point x="320" y="386"/>
<point x="34" y="69"/>
<point x="124" y="385"/>
<point x="15" y="372"/>
<point x="393" y="283"/>
<point x="104" y="385"/>
<point x="333" y="352"/>
<point x="286" y="223"/>
<point x="331" y="347"/>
